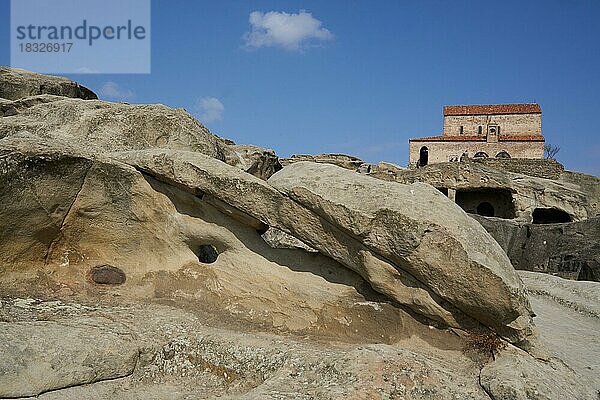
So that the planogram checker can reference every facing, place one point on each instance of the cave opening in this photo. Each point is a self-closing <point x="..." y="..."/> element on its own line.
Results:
<point x="489" y="202"/>
<point x="550" y="216"/>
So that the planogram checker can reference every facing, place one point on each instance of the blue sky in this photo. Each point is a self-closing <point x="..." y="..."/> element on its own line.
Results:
<point x="372" y="75"/>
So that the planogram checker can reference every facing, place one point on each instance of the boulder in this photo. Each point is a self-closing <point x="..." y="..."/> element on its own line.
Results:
<point x="416" y="231"/>
<point x="341" y="160"/>
<point x="481" y="283"/>
<point x="100" y="126"/>
<point x="18" y="83"/>
<point x="255" y="160"/>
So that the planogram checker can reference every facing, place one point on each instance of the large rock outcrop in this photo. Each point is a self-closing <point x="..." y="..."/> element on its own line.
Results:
<point x="512" y="195"/>
<point x="135" y="263"/>
<point x="77" y="224"/>
<point x="570" y="250"/>
<point x="17" y="84"/>
<point x="102" y="127"/>
<point x="410" y="268"/>
<point x="417" y="240"/>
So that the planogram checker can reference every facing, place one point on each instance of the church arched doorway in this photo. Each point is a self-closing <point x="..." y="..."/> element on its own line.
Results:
<point x="423" y="156"/>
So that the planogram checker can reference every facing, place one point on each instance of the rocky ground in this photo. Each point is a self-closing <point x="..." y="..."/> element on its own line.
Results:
<point x="141" y="256"/>
<point x="122" y="350"/>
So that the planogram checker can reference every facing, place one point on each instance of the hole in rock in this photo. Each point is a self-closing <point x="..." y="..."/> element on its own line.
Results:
<point x="550" y="216"/>
<point x="206" y="253"/>
<point x="107" y="275"/>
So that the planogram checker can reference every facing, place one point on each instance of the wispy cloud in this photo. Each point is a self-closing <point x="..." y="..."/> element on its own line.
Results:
<point x="293" y="32"/>
<point x="85" y="70"/>
<point x="113" y="91"/>
<point x="210" y="108"/>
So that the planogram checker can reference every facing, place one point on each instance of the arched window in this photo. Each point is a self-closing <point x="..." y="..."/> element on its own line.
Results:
<point x="423" y="157"/>
<point x="503" y="154"/>
<point x="480" y="154"/>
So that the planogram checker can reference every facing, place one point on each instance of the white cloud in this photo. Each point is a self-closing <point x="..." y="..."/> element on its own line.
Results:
<point x="291" y="31"/>
<point x="210" y="108"/>
<point x="111" y="90"/>
<point x="85" y="70"/>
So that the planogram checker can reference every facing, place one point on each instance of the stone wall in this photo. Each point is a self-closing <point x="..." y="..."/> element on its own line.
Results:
<point x="542" y="167"/>
<point x="444" y="151"/>
<point x="510" y="124"/>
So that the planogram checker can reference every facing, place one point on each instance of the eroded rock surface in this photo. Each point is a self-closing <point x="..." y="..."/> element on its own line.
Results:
<point x="255" y="160"/>
<point x="570" y="250"/>
<point x="17" y="84"/>
<point x="136" y="263"/>
<point x="341" y="160"/>
<point x="100" y="126"/>
<point x="440" y="248"/>
<point x="514" y="195"/>
<point x="40" y="356"/>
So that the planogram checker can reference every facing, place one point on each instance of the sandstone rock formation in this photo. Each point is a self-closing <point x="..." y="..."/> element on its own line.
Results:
<point x="149" y="258"/>
<point x="341" y="160"/>
<point x="61" y="354"/>
<point x="17" y="84"/>
<point x="177" y="354"/>
<point x="441" y="253"/>
<point x="255" y="160"/>
<point x="229" y="190"/>
<point x="570" y="250"/>
<point x="101" y="127"/>
<point x="516" y="195"/>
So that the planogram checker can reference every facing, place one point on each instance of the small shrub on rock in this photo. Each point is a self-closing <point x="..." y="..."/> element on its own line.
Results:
<point x="484" y="343"/>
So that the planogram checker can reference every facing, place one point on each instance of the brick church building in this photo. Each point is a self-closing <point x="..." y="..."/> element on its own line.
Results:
<point x="500" y="131"/>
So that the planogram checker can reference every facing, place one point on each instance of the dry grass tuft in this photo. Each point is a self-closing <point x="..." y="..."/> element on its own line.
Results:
<point x="487" y="343"/>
